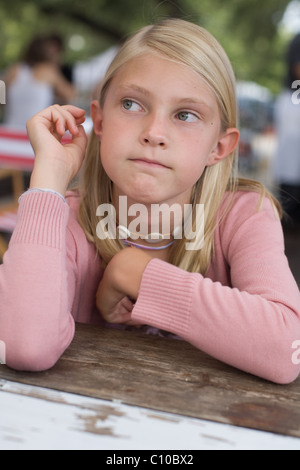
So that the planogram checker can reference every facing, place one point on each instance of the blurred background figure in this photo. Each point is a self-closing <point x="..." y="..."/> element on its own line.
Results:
<point x="287" y="159"/>
<point x="88" y="74"/>
<point x="37" y="81"/>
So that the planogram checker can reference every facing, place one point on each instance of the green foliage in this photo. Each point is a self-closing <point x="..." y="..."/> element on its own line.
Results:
<point x="248" y="29"/>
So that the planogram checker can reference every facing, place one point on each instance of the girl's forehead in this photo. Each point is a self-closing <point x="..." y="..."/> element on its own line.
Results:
<point x="151" y="62"/>
<point x="154" y="72"/>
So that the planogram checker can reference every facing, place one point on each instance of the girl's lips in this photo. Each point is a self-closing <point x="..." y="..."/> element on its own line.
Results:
<point x="149" y="163"/>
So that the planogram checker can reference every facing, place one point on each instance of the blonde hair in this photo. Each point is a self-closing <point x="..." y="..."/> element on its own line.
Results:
<point x="185" y="43"/>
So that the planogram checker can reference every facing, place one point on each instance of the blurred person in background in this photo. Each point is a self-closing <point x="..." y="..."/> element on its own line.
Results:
<point x="89" y="74"/>
<point x="287" y="159"/>
<point x="36" y="82"/>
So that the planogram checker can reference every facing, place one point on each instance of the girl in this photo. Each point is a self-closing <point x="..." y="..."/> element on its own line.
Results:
<point x="164" y="133"/>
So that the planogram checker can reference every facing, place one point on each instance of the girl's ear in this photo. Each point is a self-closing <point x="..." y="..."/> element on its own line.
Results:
<point x="96" y="114"/>
<point x="225" y="146"/>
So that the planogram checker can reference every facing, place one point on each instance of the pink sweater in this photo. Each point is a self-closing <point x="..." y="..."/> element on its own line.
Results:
<point x="245" y="311"/>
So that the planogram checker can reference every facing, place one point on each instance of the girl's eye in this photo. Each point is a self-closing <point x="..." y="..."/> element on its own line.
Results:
<point x="187" y="117"/>
<point x="130" y="105"/>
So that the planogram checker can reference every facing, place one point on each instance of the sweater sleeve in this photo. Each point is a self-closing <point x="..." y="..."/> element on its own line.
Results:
<point x="250" y="324"/>
<point x="36" y="289"/>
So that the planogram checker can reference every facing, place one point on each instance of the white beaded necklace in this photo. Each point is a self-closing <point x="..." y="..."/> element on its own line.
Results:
<point x="151" y="238"/>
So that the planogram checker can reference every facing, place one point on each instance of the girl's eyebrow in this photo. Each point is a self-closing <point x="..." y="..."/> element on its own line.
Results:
<point x="180" y="101"/>
<point x="137" y="88"/>
<point x="194" y="101"/>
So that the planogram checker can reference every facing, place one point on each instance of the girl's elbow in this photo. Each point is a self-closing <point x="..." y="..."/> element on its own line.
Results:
<point x="284" y="352"/>
<point x="285" y="367"/>
<point x="285" y="375"/>
<point x="31" y="358"/>
<point x="37" y="352"/>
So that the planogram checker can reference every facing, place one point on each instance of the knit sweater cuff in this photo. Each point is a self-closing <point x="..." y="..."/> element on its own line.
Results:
<point x="165" y="298"/>
<point x="42" y="219"/>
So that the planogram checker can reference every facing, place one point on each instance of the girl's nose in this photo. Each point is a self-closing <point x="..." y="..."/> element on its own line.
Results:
<point x="155" y="133"/>
<point x="155" y="141"/>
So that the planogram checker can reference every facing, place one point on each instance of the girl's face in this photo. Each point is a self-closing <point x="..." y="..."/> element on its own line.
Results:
<point x="159" y="128"/>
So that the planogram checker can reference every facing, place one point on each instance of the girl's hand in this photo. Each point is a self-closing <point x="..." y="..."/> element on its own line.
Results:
<point x="56" y="164"/>
<point x="120" y="285"/>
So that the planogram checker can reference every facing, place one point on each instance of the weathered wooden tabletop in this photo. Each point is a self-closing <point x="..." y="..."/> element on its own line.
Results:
<point x="167" y="375"/>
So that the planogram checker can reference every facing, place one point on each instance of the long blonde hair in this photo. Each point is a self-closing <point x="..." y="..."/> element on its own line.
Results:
<point x="188" y="44"/>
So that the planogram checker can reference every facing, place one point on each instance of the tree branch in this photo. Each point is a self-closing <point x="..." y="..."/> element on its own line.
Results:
<point x="95" y="25"/>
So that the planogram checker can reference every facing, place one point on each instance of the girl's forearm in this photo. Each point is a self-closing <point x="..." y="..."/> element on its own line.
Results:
<point x="36" y="324"/>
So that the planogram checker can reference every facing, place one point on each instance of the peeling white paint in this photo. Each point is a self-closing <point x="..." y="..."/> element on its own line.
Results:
<point x="34" y="418"/>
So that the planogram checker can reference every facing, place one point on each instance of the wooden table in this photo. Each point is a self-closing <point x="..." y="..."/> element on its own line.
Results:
<point x="126" y="390"/>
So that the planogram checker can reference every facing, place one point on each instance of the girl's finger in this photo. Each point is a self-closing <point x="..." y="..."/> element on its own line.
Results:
<point x="65" y="120"/>
<point x="80" y="140"/>
<point x="128" y="304"/>
<point x="74" y="110"/>
<point x="73" y="122"/>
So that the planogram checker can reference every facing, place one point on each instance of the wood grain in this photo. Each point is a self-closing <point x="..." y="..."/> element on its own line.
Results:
<point x="168" y="375"/>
